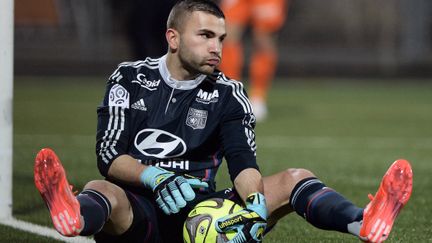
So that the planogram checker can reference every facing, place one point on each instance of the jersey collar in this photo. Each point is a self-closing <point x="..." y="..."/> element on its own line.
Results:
<point x="174" y="83"/>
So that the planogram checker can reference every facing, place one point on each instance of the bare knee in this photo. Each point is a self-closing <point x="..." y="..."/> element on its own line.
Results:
<point x="278" y="189"/>
<point x="282" y="184"/>
<point x="112" y="192"/>
<point x="295" y="175"/>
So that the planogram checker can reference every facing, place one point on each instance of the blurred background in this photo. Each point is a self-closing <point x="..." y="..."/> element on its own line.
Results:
<point x="352" y="93"/>
<point x="368" y="38"/>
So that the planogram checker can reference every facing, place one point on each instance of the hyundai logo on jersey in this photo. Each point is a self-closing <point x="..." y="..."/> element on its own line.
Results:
<point x="159" y="144"/>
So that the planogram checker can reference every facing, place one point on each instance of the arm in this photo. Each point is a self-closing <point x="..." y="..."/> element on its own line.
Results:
<point x="252" y="220"/>
<point x="172" y="192"/>
<point x="238" y="139"/>
<point x="126" y="169"/>
<point x="247" y="182"/>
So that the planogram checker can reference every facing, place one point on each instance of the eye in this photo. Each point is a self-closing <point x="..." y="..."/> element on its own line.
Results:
<point x="205" y="35"/>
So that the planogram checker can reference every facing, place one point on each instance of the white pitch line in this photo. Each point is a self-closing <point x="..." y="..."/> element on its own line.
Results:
<point x="43" y="231"/>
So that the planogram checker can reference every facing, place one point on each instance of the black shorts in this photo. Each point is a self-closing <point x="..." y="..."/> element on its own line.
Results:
<point x="150" y="224"/>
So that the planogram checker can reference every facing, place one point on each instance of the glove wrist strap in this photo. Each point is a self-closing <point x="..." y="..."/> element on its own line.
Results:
<point x="255" y="198"/>
<point x="257" y="203"/>
<point x="153" y="176"/>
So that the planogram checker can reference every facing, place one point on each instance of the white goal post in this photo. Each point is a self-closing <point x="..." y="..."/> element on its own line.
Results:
<point x="6" y="99"/>
<point x="6" y="131"/>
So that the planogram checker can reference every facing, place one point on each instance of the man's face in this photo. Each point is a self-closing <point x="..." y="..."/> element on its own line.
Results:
<point x="200" y="46"/>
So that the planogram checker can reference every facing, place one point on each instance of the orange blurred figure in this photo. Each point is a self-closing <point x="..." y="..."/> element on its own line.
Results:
<point x="266" y="17"/>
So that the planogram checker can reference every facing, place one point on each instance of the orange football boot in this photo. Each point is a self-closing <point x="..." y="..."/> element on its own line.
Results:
<point x="393" y="193"/>
<point x="50" y="180"/>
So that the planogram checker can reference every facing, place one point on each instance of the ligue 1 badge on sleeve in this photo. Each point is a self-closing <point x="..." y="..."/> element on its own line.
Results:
<point x="196" y="119"/>
<point x="118" y="96"/>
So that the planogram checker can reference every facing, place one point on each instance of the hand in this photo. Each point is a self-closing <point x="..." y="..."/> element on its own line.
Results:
<point x="172" y="191"/>
<point x="249" y="223"/>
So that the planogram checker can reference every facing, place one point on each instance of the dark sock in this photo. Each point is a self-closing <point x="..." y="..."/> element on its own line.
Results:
<point x="322" y="206"/>
<point x="95" y="209"/>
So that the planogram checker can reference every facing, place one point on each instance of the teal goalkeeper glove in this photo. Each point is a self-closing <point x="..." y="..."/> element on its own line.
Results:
<point x="249" y="223"/>
<point x="172" y="191"/>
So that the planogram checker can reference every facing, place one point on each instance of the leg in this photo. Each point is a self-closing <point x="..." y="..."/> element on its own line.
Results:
<point x="267" y="19"/>
<point x="142" y="227"/>
<point x="262" y="69"/>
<point x="278" y="200"/>
<point x="298" y="190"/>
<point x="101" y="201"/>
<point x="121" y="216"/>
<point x="236" y="18"/>
<point x="232" y="54"/>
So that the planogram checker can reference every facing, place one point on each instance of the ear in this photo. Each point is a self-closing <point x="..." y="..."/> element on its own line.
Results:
<point x="172" y="37"/>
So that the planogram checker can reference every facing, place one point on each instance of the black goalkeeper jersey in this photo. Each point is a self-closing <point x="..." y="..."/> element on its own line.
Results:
<point x="183" y="126"/>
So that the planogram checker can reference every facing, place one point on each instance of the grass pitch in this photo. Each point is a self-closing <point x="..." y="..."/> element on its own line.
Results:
<point x="346" y="131"/>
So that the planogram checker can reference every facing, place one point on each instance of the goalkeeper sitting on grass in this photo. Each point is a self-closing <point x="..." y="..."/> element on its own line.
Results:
<point x="164" y="127"/>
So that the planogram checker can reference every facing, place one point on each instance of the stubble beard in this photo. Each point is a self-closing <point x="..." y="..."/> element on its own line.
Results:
<point x="192" y="67"/>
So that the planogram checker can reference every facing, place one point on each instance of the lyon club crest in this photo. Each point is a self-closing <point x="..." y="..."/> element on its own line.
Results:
<point x="196" y="119"/>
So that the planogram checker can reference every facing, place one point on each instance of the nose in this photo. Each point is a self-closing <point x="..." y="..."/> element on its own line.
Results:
<point x="216" y="46"/>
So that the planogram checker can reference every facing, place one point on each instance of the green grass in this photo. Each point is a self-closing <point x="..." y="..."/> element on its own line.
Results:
<point x="346" y="132"/>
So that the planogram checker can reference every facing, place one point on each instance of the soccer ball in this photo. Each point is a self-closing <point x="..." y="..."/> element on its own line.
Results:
<point x="199" y="226"/>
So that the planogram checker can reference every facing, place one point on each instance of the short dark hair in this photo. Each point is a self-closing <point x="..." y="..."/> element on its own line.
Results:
<point x="185" y="7"/>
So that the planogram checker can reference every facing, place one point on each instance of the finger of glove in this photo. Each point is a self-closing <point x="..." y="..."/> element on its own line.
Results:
<point x="239" y="238"/>
<point x="197" y="183"/>
<point x="175" y="193"/>
<point x="185" y="189"/>
<point x="257" y="231"/>
<point x="250" y="232"/>
<point x="166" y="197"/>
<point x="162" y="205"/>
